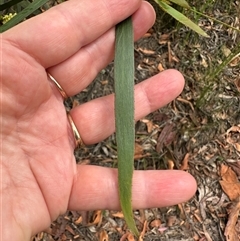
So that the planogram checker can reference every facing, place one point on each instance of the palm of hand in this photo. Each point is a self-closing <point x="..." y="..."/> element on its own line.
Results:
<point x="35" y="124"/>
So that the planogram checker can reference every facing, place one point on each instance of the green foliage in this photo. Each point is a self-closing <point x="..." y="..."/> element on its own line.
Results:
<point x="124" y="115"/>
<point x="165" y="5"/>
<point x="30" y="8"/>
<point x="181" y="3"/>
<point x="216" y="72"/>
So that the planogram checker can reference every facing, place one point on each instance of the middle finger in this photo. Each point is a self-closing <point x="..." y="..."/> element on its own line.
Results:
<point x="95" y="119"/>
<point x="77" y="72"/>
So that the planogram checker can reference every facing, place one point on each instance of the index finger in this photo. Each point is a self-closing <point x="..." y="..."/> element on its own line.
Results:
<point x="57" y="34"/>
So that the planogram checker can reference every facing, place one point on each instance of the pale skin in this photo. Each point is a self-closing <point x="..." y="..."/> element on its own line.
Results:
<point x="39" y="176"/>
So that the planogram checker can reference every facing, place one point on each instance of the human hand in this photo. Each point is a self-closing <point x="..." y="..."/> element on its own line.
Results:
<point x="39" y="176"/>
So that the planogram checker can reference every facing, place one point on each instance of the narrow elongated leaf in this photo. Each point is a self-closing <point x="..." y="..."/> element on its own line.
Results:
<point x="181" y="3"/>
<point x="33" y="6"/>
<point x="124" y="116"/>
<point x="180" y="17"/>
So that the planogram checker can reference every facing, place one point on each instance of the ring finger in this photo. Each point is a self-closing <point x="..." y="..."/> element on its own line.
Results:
<point x="77" y="72"/>
<point x="95" y="119"/>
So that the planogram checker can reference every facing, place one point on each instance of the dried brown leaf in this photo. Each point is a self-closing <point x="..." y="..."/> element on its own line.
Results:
<point x="184" y="165"/>
<point x="160" y="67"/>
<point x="235" y="165"/>
<point x="230" y="231"/>
<point x="79" y="220"/>
<point x="75" y="103"/>
<point x="146" y="35"/>
<point x="235" y="60"/>
<point x="128" y="237"/>
<point x="237" y="146"/>
<point x="118" y="215"/>
<point x="70" y="230"/>
<point x="97" y="218"/>
<point x="182" y="212"/>
<point x="143" y="231"/>
<point x="164" y="38"/>
<point x="146" y="51"/>
<point x="186" y="101"/>
<point x="233" y="137"/>
<point x="227" y="174"/>
<point x="229" y="182"/>
<point x="197" y="216"/>
<point x="138" y="151"/>
<point x="170" y="164"/>
<point x="169" y="53"/>
<point x="104" y="82"/>
<point x="171" y="220"/>
<point x="237" y="83"/>
<point x="166" y="137"/>
<point x="103" y="236"/>
<point x="156" y="223"/>
<point x="149" y="126"/>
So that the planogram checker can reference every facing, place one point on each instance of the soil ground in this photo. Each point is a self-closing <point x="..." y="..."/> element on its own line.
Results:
<point x="199" y="133"/>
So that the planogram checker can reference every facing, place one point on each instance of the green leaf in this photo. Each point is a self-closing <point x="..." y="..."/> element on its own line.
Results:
<point x="181" y="18"/>
<point x="124" y="116"/>
<point x="181" y="3"/>
<point x="33" y="6"/>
